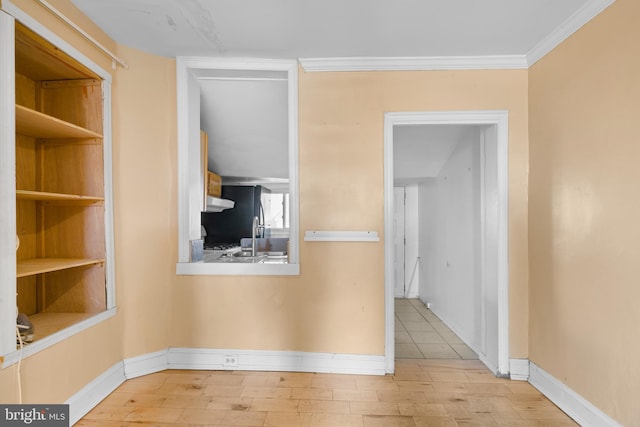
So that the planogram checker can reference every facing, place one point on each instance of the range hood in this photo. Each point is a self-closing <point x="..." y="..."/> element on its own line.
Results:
<point x="215" y="204"/>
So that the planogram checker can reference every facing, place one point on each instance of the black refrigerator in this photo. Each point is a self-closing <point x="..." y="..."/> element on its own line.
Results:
<point x="231" y="225"/>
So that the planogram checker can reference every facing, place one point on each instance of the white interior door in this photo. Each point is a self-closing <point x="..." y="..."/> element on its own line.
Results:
<point x="399" y="240"/>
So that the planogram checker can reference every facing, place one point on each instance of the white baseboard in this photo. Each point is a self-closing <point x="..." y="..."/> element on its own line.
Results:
<point x="519" y="369"/>
<point x="91" y="394"/>
<point x="252" y="360"/>
<point x="146" y="364"/>
<point x="258" y="360"/>
<point x="490" y="365"/>
<point x="583" y="412"/>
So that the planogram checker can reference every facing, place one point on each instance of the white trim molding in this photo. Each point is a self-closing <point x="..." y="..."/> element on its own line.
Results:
<point x="519" y="369"/>
<point x="261" y="360"/>
<point x="574" y="405"/>
<point x="188" y="72"/>
<point x="253" y="360"/>
<point x="146" y="364"/>
<point x="93" y="393"/>
<point x="7" y="185"/>
<point x="488" y="363"/>
<point x="583" y="15"/>
<point x="417" y="63"/>
<point x="500" y="119"/>
<point x="478" y="62"/>
<point x="234" y="269"/>
<point x="341" y="236"/>
<point x="83" y="33"/>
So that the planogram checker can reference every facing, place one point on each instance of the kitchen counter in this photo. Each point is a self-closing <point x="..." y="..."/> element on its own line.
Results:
<point x="211" y="256"/>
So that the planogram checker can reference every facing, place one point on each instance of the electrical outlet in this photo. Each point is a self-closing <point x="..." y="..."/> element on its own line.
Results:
<point x="230" y="360"/>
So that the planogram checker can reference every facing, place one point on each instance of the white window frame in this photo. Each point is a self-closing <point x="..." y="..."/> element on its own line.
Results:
<point x="190" y="186"/>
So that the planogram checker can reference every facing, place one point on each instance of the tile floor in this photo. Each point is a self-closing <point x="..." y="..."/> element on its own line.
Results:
<point x="419" y="334"/>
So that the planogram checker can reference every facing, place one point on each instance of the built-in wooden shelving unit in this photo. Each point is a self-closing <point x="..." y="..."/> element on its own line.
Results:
<point x="60" y="181"/>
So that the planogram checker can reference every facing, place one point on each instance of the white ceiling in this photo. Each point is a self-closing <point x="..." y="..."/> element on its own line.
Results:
<point x="420" y="151"/>
<point x="246" y="121"/>
<point x="331" y="28"/>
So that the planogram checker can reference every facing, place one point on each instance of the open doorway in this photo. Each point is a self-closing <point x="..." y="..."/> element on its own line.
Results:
<point x="456" y="262"/>
<point x="437" y="169"/>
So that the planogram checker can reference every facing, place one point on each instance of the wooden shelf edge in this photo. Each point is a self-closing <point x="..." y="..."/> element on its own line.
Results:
<point x="33" y="266"/>
<point x="43" y="341"/>
<point x="46" y="324"/>
<point x="39" y="125"/>
<point x="46" y="196"/>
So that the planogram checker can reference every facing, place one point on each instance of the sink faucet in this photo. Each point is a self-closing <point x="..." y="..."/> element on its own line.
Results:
<point x="254" y="231"/>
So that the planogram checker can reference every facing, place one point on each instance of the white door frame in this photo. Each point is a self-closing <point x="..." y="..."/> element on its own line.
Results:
<point x="399" y="256"/>
<point x="501" y="120"/>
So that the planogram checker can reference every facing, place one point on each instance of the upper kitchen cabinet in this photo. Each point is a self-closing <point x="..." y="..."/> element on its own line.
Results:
<point x="63" y="259"/>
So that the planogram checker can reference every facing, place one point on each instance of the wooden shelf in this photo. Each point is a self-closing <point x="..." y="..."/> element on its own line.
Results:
<point x="38" y="125"/>
<point x="45" y="324"/>
<point x="40" y="60"/>
<point x="56" y="197"/>
<point x="33" y="266"/>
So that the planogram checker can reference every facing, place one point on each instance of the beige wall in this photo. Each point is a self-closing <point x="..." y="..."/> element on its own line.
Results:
<point x="584" y="209"/>
<point x="144" y="180"/>
<point x="337" y="302"/>
<point x="55" y="374"/>
<point x="577" y="105"/>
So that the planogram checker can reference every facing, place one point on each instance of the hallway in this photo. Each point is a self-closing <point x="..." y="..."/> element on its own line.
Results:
<point x="419" y="334"/>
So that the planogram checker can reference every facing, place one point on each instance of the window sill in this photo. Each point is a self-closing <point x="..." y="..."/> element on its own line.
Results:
<point x="239" y="269"/>
<point x="48" y="341"/>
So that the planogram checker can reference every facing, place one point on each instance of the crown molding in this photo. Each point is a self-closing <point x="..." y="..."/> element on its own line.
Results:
<point x="488" y="62"/>
<point x="418" y="63"/>
<point x="583" y="15"/>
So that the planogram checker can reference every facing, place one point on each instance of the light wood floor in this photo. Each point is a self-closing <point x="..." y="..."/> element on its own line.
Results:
<point x="421" y="393"/>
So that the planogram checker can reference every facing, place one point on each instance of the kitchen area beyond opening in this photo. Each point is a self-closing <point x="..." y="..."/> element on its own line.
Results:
<point x="238" y="205"/>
